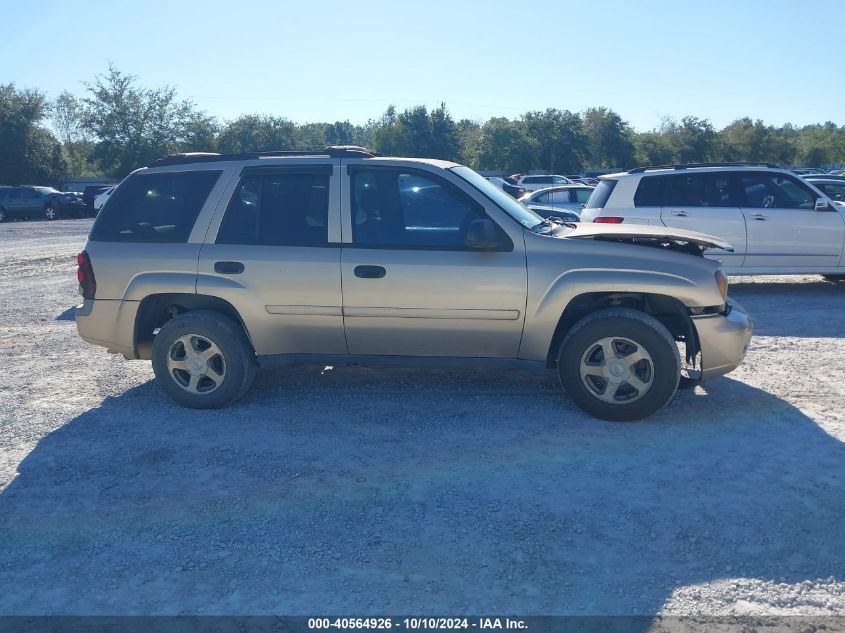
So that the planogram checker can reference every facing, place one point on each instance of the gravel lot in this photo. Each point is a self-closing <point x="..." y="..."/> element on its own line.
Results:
<point x="378" y="491"/>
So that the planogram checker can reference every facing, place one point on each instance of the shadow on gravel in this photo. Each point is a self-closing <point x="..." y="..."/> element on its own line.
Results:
<point x="67" y="315"/>
<point x="385" y="491"/>
<point x="821" y="306"/>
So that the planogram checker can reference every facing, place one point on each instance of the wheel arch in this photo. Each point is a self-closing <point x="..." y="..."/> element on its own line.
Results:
<point x="156" y="309"/>
<point x="668" y="310"/>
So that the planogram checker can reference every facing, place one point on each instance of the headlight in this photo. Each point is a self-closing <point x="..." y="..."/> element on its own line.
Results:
<point x="722" y="282"/>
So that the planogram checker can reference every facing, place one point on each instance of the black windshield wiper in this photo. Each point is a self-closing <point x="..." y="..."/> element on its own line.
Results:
<point x="552" y="222"/>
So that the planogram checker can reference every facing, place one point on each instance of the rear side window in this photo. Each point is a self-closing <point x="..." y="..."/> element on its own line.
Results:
<point x="601" y="194"/>
<point x="154" y="207"/>
<point x="279" y="209"/>
<point x="582" y="195"/>
<point x="650" y="191"/>
<point x="700" y="190"/>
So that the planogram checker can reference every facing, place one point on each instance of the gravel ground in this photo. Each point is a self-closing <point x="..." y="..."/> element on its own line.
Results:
<point x="373" y="491"/>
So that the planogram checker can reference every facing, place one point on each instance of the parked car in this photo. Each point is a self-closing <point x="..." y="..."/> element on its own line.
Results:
<point x="777" y="222"/>
<point x="555" y="213"/>
<point x="29" y="201"/>
<point x="832" y="186"/>
<point x="90" y="193"/>
<point x="532" y="183"/>
<point x="432" y="265"/>
<point x="808" y="171"/>
<point x="100" y="198"/>
<point x="570" y="197"/>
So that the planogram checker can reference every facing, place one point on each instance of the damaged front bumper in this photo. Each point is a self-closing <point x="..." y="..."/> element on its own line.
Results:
<point x="724" y="339"/>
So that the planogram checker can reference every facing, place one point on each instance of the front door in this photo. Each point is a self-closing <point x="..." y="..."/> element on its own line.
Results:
<point x="784" y="229"/>
<point x="411" y="286"/>
<point x="276" y="258"/>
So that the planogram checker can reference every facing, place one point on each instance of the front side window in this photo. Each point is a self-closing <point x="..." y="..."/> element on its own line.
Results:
<point x="30" y="193"/>
<point x="391" y="207"/>
<point x="775" y="191"/>
<point x="160" y="207"/>
<point x="15" y="194"/>
<point x="542" y="198"/>
<point x="283" y="209"/>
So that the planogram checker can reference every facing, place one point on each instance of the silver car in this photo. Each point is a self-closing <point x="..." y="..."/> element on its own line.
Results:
<point x="565" y="197"/>
<point x="212" y="266"/>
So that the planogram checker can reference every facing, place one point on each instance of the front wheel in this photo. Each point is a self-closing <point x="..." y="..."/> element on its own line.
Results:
<point x="619" y="364"/>
<point x="203" y="360"/>
<point x="50" y="212"/>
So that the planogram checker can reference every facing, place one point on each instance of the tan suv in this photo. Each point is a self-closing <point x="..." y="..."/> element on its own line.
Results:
<point x="214" y="265"/>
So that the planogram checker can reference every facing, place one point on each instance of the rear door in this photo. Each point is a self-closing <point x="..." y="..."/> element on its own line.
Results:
<point x="276" y="256"/>
<point x="784" y="230"/>
<point x="14" y="203"/>
<point x="411" y="286"/>
<point x="705" y="202"/>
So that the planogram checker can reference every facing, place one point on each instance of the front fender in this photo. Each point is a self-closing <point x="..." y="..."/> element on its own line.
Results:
<point x="551" y="300"/>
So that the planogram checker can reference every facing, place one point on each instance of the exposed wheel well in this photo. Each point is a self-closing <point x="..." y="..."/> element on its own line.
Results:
<point x="668" y="310"/>
<point x="156" y="310"/>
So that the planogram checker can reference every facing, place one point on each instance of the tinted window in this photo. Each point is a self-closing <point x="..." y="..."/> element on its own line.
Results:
<point x="30" y="193"/>
<point x="15" y="194"/>
<point x="650" y="191"/>
<point x="154" y="207"/>
<point x="285" y="209"/>
<point x="600" y="194"/>
<point x="559" y="180"/>
<point x="543" y="198"/>
<point x="775" y="191"/>
<point x="699" y="190"/>
<point x="392" y="207"/>
<point x="834" y="191"/>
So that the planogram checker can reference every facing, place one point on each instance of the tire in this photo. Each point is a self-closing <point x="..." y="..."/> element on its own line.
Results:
<point x="603" y="390"/>
<point x="51" y="212"/>
<point x="203" y="383"/>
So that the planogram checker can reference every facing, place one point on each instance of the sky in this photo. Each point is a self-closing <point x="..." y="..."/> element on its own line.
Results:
<point x="328" y="60"/>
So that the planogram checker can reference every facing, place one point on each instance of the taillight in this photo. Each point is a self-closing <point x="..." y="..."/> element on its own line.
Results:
<point x="85" y="275"/>
<point x="608" y="219"/>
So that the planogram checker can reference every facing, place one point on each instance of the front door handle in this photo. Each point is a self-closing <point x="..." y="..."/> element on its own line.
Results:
<point x="228" y="268"/>
<point x="759" y="216"/>
<point x="370" y="272"/>
<point x="680" y="214"/>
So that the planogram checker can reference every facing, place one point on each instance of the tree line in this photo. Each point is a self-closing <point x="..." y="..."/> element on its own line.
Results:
<point x="119" y="125"/>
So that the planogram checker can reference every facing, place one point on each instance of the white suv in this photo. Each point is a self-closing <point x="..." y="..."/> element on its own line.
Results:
<point x="776" y="222"/>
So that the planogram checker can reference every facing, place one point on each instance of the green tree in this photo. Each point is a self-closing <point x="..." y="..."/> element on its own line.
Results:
<point x="608" y="139"/>
<point x="254" y="133"/>
<point x="417" y="132"/>
<point x="503" y="145"/>
<point x="29" y="153"/>
<point x="134" y="126"/>
<point x="557" y="144"/>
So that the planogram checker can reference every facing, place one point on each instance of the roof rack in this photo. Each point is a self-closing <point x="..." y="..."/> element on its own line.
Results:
<point x="639" y="170"/>
<point x="332" y="151"/>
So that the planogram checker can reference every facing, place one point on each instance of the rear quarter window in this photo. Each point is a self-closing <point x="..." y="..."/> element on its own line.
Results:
<point x="601" y="194"/>
<point x="154" y="207"/>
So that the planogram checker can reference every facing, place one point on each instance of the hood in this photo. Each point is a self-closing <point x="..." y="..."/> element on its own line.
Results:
<point x="644" y="233"/>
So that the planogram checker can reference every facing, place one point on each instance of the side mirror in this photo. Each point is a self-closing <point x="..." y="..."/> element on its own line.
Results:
<point x="483" y="234"/>
<point x="822" y="204"/>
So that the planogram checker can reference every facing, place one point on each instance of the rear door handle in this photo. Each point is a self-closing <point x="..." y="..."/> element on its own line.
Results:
<point x="228" y="268"/>
<point x="370" y="272"/>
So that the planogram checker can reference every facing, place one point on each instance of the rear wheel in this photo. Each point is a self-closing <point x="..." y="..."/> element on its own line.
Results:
<point x="203" y="360"/>
<point x="619" y="364"/>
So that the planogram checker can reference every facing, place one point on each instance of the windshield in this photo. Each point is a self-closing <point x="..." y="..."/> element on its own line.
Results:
<point x="518" y="211"/>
